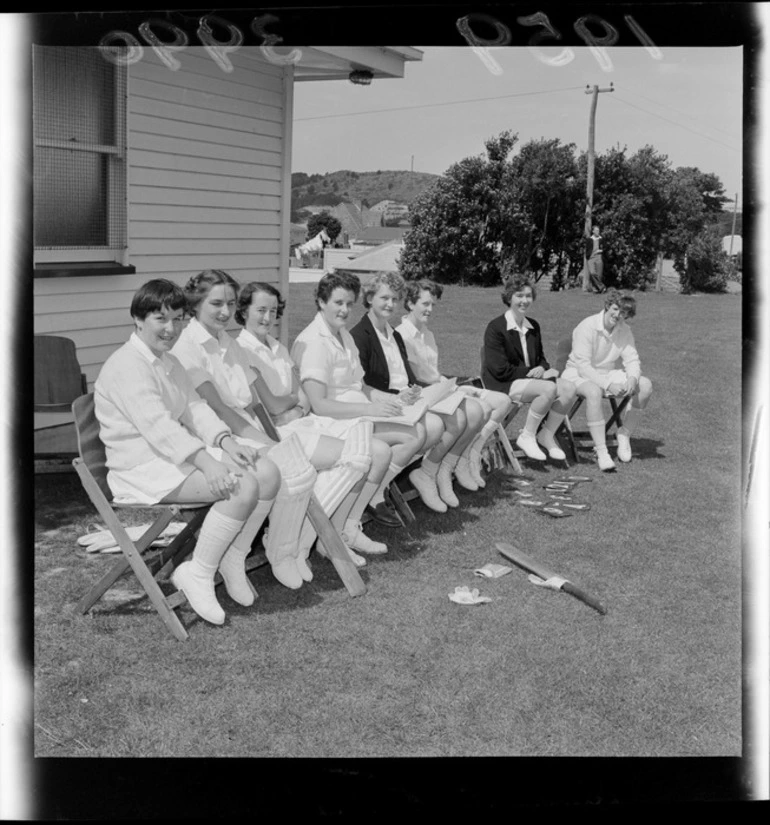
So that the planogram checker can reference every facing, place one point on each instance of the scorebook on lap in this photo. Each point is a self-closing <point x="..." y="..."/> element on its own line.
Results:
<point x="442" y="397"/>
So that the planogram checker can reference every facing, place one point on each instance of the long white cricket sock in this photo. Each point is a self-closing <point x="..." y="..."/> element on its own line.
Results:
<point x="596" y="428"/>
<point x="216" y="534"/>
<point x="533" y="421"/>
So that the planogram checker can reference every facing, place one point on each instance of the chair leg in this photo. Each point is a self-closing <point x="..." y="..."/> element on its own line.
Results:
<point x="335" y="548"/>
<point x="617" y="412"/>
<point x="399" y="502"/>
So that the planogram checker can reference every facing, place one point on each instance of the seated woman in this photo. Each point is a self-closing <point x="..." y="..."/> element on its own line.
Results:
<point x="514" y="362"/>
<point x="164" y="444"/>
<point x="386" y="368"/>
<point x="484" y="409"/>
<point x="220" y="370"/>
<point x="604" y="362"/>
<point x="331" y="375"/>
<point x="336" y="443"/>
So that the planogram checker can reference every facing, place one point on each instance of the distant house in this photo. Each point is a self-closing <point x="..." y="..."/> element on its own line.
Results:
<point x="351" y="219"/>
<point x="381" y="258"/>
<point x="737" y="244"/>
<point x="376" y="235"/>
<point x="143" y="172"/>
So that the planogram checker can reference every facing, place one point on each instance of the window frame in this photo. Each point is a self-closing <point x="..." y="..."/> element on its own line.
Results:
<point x="54" y="262"/>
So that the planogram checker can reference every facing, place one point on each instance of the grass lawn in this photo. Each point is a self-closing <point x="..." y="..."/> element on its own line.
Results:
<point x="403" y="671"/>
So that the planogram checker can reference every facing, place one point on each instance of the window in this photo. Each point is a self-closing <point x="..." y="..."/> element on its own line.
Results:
<point x="79" y="126"/>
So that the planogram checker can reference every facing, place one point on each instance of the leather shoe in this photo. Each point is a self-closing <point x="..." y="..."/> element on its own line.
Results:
<point x="385" y="514"/>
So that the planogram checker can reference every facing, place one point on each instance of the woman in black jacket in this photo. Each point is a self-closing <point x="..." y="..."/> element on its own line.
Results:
<point x="514" y="363"/>
<point x="386" y="368"/>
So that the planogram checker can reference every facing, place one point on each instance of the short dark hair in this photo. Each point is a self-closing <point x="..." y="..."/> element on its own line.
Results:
<point x="415" y="288"/>
<point x="336" y="280"/>
<point x="199" y="286"/>
<point x="513" y="283"/>
<point x="155" y="295"/>
<point x="247" y="293"/>
<point x="626" y="303"/>
<point x="377" y="279"/>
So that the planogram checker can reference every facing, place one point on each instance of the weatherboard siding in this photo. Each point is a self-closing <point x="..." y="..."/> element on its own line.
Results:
<point x="208" y="162"/>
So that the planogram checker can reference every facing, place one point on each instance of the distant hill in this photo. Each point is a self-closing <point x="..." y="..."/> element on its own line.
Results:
<point x="369" y="187"/>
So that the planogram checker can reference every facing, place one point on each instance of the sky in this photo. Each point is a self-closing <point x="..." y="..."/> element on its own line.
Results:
<point x="686" y="103"/>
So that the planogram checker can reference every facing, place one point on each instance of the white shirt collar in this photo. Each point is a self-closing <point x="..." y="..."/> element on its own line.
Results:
<point x="412" y="329"/>
<point x="201" y="335"/>
<point x="148" y="354"/>
<point x="254" y="342"/>
<point x="510" y="322"/>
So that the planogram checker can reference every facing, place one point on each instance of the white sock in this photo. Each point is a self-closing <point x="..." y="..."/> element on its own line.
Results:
<point x="596" y="428"/>
<point x="216" y="535"/>
<point x="533" y="421"/>
<point x="430" y="467"/>
<point x="248" y="533"/>
<point x="450" y="460"/>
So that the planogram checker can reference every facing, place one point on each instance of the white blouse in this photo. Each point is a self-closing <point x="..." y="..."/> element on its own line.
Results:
<point x="334" y="362"/>
<point x="220" y="361"/>
<point x="421" y="350"/>
<point x="399" y="380"/>
<point x="270" y="359"/>
<point x="151" y="421"/>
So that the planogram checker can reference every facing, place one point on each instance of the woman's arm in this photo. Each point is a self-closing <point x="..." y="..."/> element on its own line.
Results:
<point x="274" y="404"/>
<point x="321" y="405"/>
<point x="234" y="421"/>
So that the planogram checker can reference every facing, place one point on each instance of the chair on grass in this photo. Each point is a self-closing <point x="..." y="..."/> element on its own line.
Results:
<point x="149" y="566"/>
<point x="565" y="433"/>
<point x="58" y="381"/>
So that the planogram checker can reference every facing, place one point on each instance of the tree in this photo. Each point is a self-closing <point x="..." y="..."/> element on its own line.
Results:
<point x="467" y="221"/>
<point x="695" y="200"/>
<point x="705" y="268"/>
<point x="546" y="174"/>
<point x="631" y="209"/>
<point x="324" y="220"/>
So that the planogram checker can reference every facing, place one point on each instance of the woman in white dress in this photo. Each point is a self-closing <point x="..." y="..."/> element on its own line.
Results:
<point x="163" y="443"/>
<point x="221" y="371"/>
<point x="331" y="375"/>
<point x="259" y="307"/>
<point x="484" y="409"/>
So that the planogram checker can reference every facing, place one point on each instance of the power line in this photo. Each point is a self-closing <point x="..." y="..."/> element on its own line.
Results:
<point x="675" y="123"/>
<point x="689" y="117"/>
<point x="446" y="103"/>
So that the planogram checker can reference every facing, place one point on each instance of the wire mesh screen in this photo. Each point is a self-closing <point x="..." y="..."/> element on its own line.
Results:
<point x="80" y="141"/>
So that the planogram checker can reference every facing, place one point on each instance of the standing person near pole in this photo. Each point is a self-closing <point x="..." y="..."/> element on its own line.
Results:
<point x="594" y="260"/>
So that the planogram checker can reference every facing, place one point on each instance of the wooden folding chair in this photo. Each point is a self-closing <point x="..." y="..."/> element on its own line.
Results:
<point x="502" y="428"/>
<point x="150" y="566"/>
<point x="566" y="434"/>
<point x="58" y="381"/>
<point x="331" y="540"/>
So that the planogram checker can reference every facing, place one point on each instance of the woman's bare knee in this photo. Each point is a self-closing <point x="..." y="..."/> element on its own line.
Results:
<point x="268" y="477"/>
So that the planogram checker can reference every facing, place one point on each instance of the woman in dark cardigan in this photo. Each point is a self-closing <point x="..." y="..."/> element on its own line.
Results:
<point x="514" y="363"/>
<point x="386" y="367"/>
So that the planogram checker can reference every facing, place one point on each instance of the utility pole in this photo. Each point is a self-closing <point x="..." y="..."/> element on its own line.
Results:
<point x="732" y="232"/>
<point x="412" y="163"/>
<point x="590" y="172"/>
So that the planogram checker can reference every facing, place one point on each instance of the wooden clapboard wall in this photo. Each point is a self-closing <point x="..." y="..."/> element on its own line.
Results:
<point x="208" y="187"/>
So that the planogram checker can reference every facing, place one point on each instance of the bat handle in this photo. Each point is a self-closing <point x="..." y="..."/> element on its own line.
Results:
<point x="575" y="591"/>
